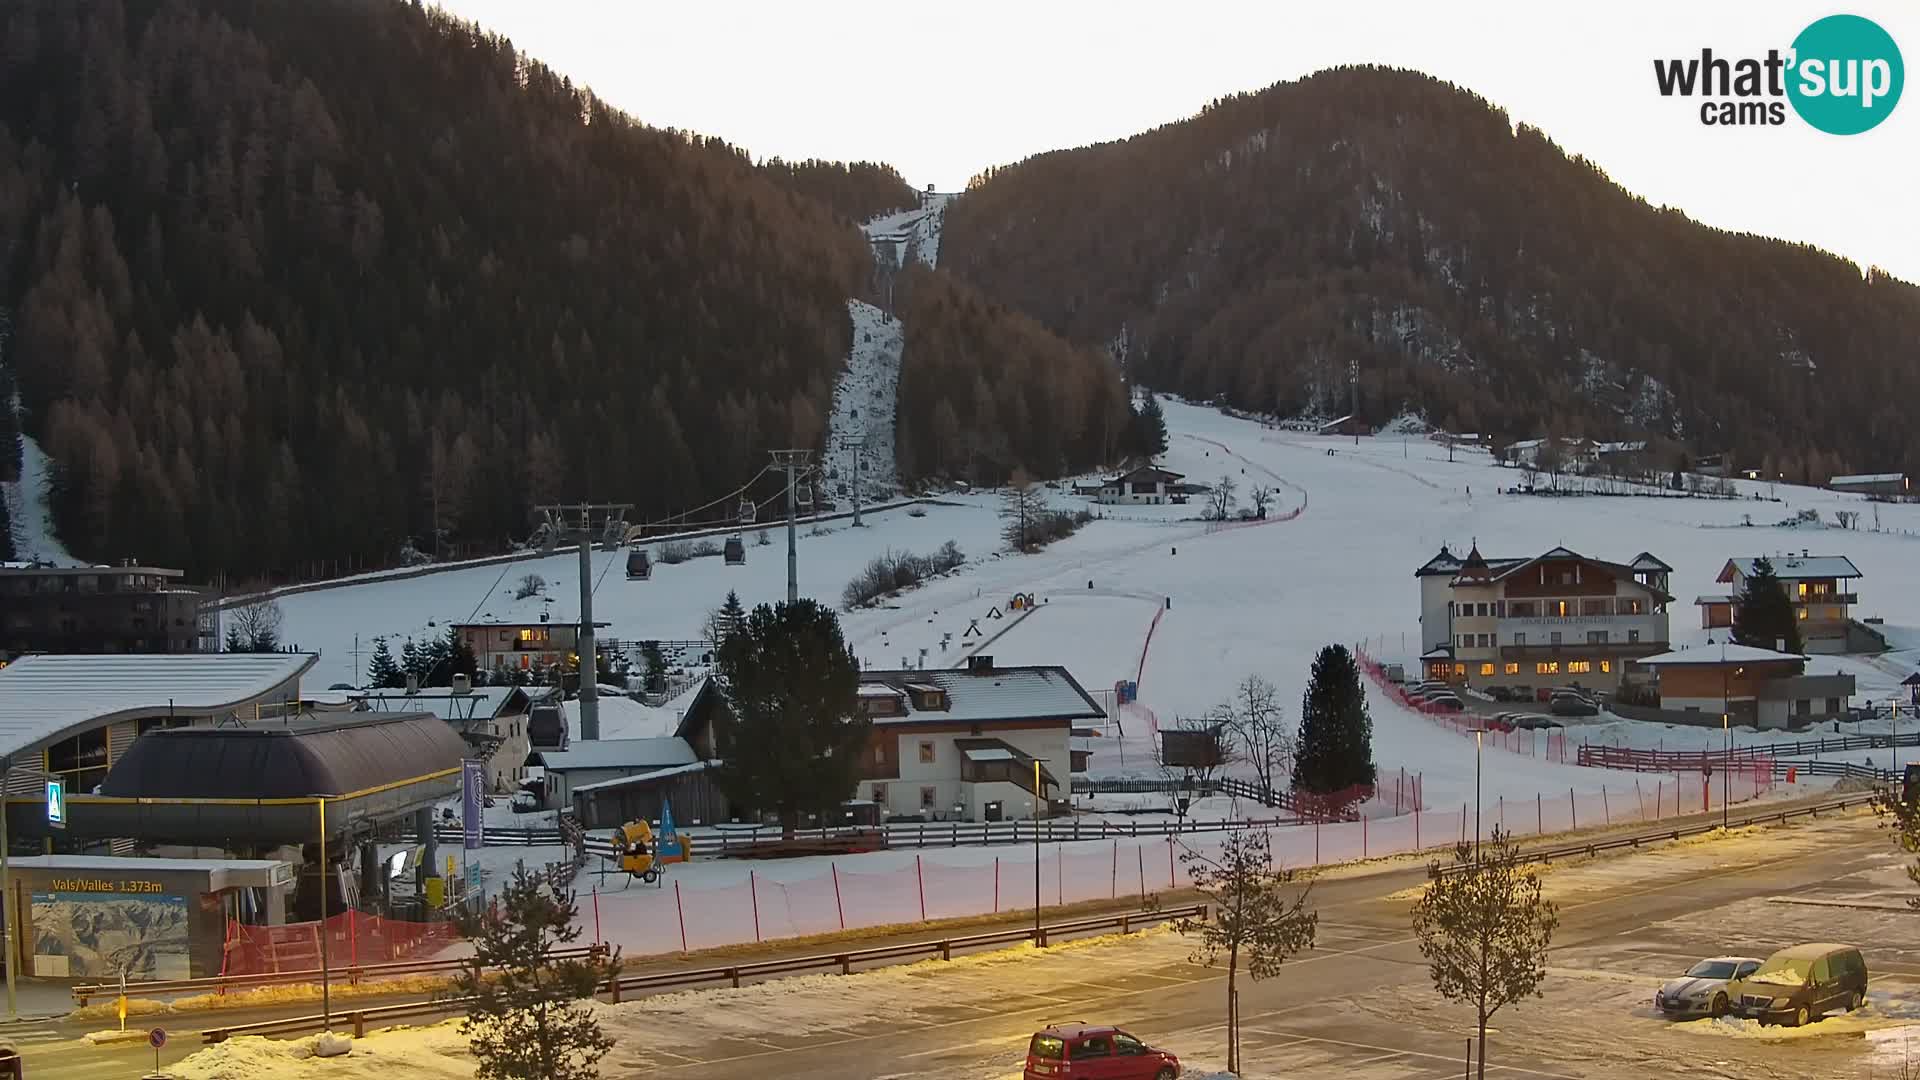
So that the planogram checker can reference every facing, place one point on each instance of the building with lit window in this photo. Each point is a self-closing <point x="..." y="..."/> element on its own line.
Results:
<point x="1553" y="620"/>
<point x="1820" y="587"/>
<point x="103" y="609"/>
<point x="526" y="646"/>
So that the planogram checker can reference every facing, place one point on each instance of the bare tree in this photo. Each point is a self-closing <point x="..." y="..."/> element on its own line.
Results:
<point x="1901" y="816"/>
<point x="529" y="585"/>
<point x="1221" y="500"/>
<point x="1021" y="506"/>
<point x="255" y="627"/>
<point x="1256" y="919"/>
<point x="1485" y="929"/>
<point x="1256" y="723"/>
<point x="1262" y="497"/>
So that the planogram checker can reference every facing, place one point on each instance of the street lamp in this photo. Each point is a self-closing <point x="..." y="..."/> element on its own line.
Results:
<point x="1478" y="741"/>
<point x="1726" y="747"/>
<point x="1037" y="940"/>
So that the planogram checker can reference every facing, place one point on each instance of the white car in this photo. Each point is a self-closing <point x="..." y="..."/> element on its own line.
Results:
<point x="1706" y="988"/>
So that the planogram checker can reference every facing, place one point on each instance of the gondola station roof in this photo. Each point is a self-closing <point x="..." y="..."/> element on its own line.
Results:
<point x="264" y="783"/>
<point x="44" y="699"/>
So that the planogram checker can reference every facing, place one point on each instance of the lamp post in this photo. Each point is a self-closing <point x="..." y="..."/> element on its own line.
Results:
<point x="1478" y="740"/>
<point x="1036" y="852"/>
<point x="6" y="891"/>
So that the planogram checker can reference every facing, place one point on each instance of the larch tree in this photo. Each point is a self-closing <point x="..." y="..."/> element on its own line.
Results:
<point x="1256" y="917"/>
<point x="528" y="1015"/>
<point x="1485" y="929"/>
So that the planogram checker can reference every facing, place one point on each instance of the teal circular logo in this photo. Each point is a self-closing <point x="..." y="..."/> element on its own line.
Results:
<point x="1846" y="75"/>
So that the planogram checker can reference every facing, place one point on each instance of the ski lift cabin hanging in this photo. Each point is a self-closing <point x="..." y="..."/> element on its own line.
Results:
<point x="736" y="551"/>
<point x="746" y="511"/>
<point x="639" y="565"/>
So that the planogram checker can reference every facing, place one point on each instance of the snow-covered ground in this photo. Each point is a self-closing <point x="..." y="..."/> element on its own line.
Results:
<point x="33" y="535"/>
<point x="1231" y="601"/>
<point x="863" y="404"/>
<point x="912" y="234"/>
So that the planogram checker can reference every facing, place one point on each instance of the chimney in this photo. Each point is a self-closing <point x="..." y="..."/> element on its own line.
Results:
<point x="462" y="684"/>
<point x="979" y="665"/>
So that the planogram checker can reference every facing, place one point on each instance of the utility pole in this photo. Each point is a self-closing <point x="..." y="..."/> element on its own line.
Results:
<point x="1353" y="379"/>
<point x="612" y="518"/>
<point x="795" y="463"/>
<point x="859" y="445"/>
<point x="357" y="651"/>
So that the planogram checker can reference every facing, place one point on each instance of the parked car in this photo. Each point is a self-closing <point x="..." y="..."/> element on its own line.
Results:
<point x="1446" y="703"/>
<point x="1799" y="985"/>
<point x="1501" y="693"/>
<point x="1095" y="1052"/>
<point x="1707" y="989"/>
<point x="1571" y="704"/>
<point x="1536" y="722"/>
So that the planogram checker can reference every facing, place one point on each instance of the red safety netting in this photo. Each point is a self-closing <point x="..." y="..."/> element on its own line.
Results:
<point x="353" y="940"/>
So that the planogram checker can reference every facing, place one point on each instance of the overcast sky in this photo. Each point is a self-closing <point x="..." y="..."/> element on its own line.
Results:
<point x="943" y="90"/>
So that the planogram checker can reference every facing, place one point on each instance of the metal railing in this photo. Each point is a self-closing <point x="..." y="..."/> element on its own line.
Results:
<point x="614" y="988"/>
<point x="352" y="975"/>
<point x="1614" y="843"/>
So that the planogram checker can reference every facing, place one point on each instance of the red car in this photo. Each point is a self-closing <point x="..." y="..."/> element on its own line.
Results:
<point x="1095" y="1052"/>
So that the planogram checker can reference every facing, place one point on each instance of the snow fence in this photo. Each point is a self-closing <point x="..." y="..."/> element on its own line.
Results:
<point x="896" y="888"/>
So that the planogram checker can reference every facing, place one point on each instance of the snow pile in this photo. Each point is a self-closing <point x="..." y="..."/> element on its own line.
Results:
<point x="863" y="408"/>
<point x="1742" y="1028"/>
<point x="430" y="1053"/>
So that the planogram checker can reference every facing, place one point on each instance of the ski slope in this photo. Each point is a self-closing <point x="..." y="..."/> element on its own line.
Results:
<point x="1260" y="598"/>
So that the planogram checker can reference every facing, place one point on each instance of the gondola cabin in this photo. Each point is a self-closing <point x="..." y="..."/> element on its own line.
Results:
<point x="639" y="565"/>
<point x="736" y="551"/>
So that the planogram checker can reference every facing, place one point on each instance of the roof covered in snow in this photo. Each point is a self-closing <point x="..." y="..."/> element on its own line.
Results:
<point x="53" y="697"/>
<point x="995" y="694"/>
<point x="1868" y="478"/>
<point x="619" y="754"/>
<point x="1794" y="567"/>
<point x="1718" y="654"/>
<point x="484" y="702"/>
<point x="651" y="776"/>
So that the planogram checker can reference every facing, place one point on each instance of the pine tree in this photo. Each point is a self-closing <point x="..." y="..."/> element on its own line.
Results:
<point x="1336" y="732"/>
<point x="460" y="658"/>
<point x="383" y="673"/>
<point x="793" y="744"/>
<point x="732" y="614"/>
<point x="1763" y="615"/>
<point x="413" y="661"/>
<point x="1150" y="429"/>
<point x="234" y="641"/>
<point x="529" y="1015"/>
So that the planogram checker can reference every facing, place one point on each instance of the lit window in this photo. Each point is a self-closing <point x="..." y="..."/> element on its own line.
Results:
<point x="1460" y="669"/>
<point x="1803" y="588"/>
<point x="1560" y="608"/>
<point x="1547" y="667"/>
<point x="1486" y="669"/>
<point x="1513" y="669"/>
<point x="1803" y="613"/>
<point x="1606" y="667"/>
<point x="1579" y="667"/>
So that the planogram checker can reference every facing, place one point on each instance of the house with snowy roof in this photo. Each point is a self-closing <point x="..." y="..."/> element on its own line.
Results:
<point x="954" y="744"/>
<point x="1531" y="624"/>
<point x="1145" y="484"/>
<point x="1748" y="686"/>
<point x="1822" y="592"/>
<point x="1890" y="485"/>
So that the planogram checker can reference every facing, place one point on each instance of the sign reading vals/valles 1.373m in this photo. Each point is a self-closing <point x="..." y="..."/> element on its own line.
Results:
<point x="83" y="885"/>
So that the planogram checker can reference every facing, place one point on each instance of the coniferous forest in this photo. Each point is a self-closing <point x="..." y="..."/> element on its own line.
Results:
<point x="291" y="282"/>
<point x="1471" y="269"/>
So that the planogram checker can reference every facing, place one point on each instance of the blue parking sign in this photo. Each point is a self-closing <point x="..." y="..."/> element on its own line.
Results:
<point x="57" y="804"/>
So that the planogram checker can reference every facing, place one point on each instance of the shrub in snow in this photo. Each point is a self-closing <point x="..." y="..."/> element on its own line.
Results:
<point x="529" y="586"/>
<point x="892" y="573"/>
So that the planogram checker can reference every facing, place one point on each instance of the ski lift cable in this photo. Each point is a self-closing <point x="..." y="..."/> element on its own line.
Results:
<point x="734" y="494"/>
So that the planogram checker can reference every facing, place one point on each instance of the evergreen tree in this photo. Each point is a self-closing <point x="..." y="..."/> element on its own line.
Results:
<point x="654" y="663"/>
<point x="731" y="616"/>
<point x="1149" y="429"/>
<point x="529" y="1014"/>
<point x="7" y="550"/>
<point x="234" y="642"/>
<point x="460" y="658"/>
<point x="1336" y="732"/>
<point x="437" y="656"/>
<point x="793" y="744"/>
<point x="413" y="661"/>
<point x="1763" y="615"/>
<point x="382" y="672"/>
